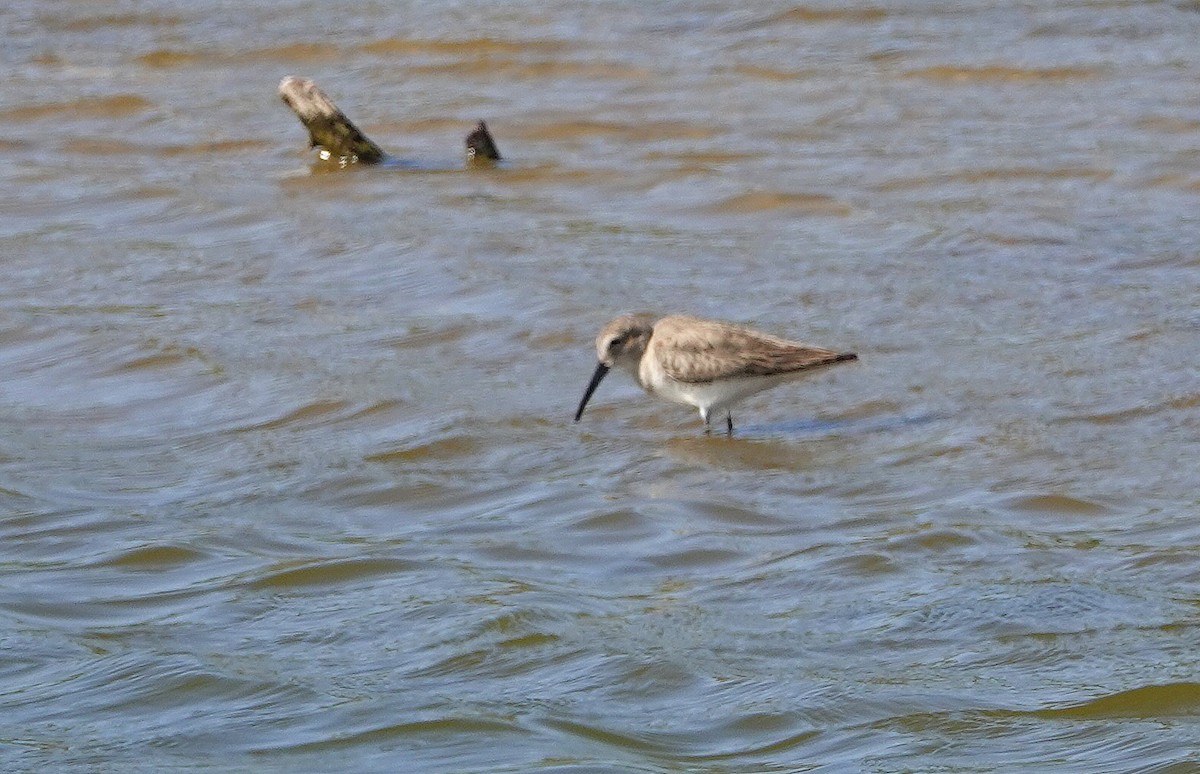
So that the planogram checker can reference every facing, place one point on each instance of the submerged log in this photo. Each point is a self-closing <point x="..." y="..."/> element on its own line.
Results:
<point x="327" y="126"/>
<point x="329" y="129"/>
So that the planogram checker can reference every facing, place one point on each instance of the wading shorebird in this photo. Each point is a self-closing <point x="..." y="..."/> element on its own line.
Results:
<point x="703" y="363"/>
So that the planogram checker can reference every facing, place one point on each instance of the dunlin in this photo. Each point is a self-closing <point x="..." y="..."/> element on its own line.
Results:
<point x="703" y="363"/>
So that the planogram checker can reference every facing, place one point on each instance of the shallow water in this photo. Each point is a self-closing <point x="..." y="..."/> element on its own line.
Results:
<point x="288" y="475"/>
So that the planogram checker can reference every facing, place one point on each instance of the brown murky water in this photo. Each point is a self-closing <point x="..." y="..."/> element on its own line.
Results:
<point x="288" y="475"/>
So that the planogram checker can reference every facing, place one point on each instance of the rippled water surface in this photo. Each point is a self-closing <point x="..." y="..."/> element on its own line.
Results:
<point x="288" y="478"/>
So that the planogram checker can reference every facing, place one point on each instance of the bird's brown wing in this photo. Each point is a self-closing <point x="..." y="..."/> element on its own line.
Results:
<point x="693" y="350"/>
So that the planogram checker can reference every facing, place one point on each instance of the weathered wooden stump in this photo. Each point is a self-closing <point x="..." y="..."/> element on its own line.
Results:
<point x="338" y="138"/>
<point x="328" y="128"/>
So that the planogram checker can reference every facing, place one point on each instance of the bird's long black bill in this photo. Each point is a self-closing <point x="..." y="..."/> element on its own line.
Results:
<point x="601" y="370"/>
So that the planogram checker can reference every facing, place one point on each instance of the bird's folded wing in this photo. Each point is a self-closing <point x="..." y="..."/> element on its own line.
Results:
<point x="701" y="351"/>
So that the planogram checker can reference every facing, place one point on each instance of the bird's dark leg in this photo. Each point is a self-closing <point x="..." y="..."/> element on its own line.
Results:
<point x="707" y="423"/>
<point x="729" y="424"/>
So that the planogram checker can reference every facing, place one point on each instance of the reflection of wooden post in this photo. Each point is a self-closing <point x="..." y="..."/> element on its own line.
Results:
<point x="327" y="126"/>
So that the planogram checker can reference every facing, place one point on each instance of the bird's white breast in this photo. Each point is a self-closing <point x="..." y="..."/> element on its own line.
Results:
<point x="719" y="394"/>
